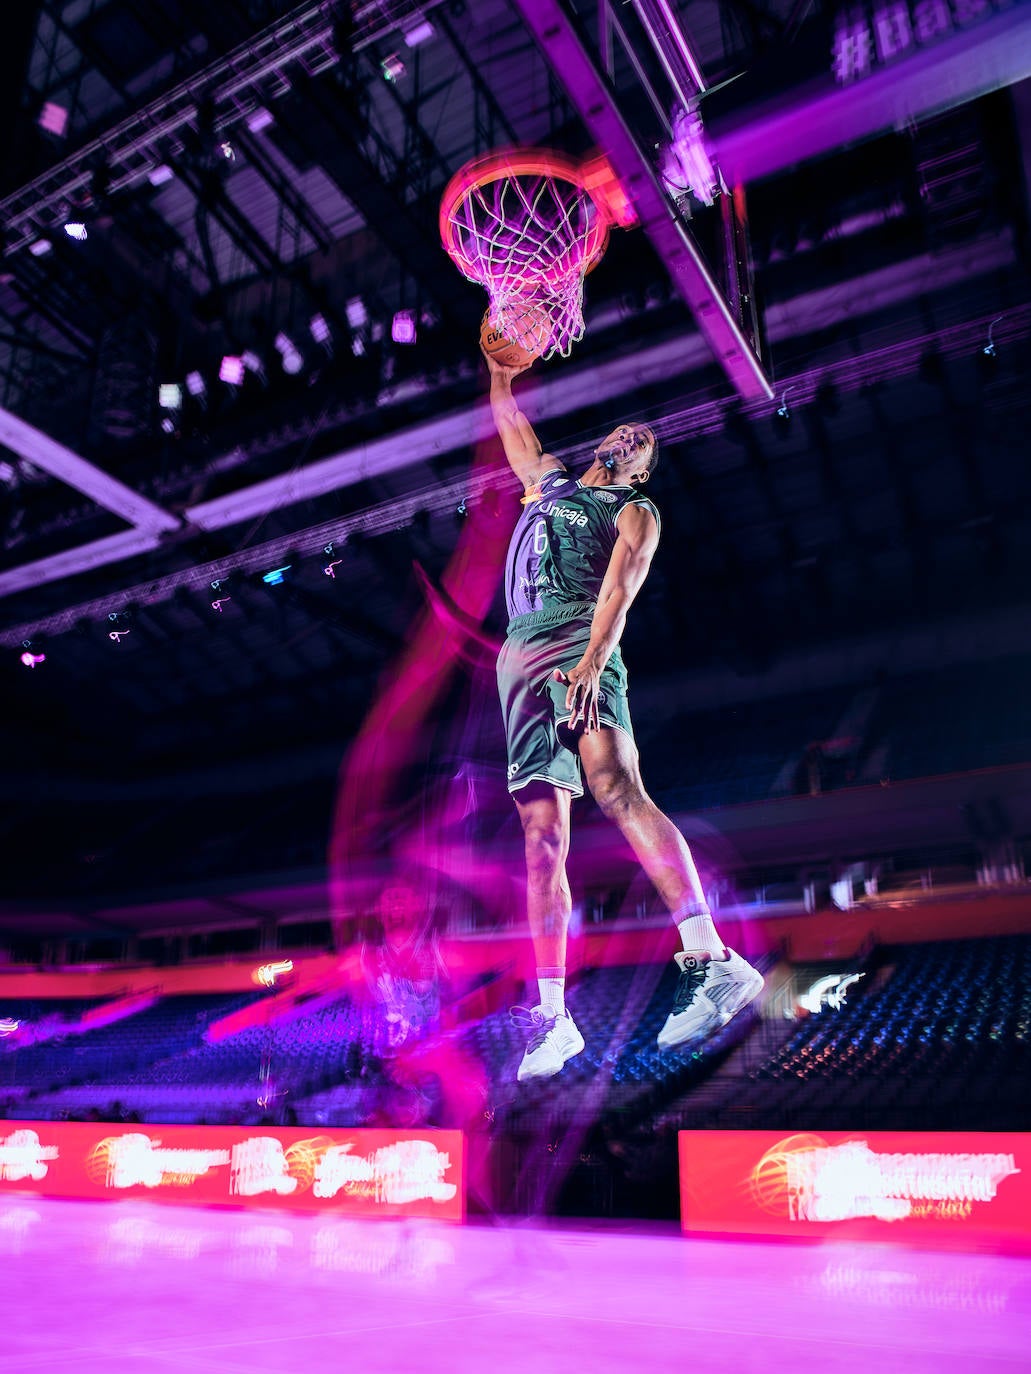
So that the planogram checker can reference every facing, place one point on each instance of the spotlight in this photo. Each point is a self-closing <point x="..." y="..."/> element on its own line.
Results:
<point x="392" y="67"/>
<point x="290" y="354"/>
<point x="168" y="424"/>
<point x="277" y="576"/>
<point x="358" y="346"/>
<point x="253" y="363"/>
<point x="195" y="385"/>
<point x="357" y="315"/>
<point x="159" y="175"/>
<point x="403" y="331"/>
<point x="420" y="32"/>
<point x="260" y="119"/>
<point x="170" y="395"/>
<point x="122" y="623"/>
<point x="76" y="229"/>
<point x="54" y="119"/>
<point x="40" y="248"/>
<point x="989" y="350"/>
<point x="333" y="562"/>
<point x="782" y="415"/>
<point x="688" y="165"/>
<point x="231" y="370"/>
<point x="320" y="330"/>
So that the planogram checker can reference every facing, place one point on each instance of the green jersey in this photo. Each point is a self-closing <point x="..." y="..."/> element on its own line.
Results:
<point x="561" y="547"/>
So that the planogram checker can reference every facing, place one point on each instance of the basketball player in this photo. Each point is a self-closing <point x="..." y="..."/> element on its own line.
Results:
<point x="579" y="555"/>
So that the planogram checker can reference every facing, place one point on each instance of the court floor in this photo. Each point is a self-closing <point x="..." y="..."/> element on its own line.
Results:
<point x="101" y="1287"/>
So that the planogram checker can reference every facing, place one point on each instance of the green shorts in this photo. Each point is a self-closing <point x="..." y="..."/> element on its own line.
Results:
<point x="541" y="746"/>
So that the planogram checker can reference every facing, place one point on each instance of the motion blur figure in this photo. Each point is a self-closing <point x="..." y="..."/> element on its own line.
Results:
<point x="578" y="557"/>
<point x="412" y="991"/>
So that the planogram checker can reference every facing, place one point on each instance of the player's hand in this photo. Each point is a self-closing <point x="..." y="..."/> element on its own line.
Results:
<point x="583" y="689"/>
<point x="497" y="369"/>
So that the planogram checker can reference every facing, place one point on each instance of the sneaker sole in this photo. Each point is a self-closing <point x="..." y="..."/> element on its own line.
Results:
<point x="529" y="1077"/>
<point x="710" y="1027"/>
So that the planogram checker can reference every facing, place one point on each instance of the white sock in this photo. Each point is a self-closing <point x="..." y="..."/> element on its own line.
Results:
<point x="698" y="934"/>
<point x="552" y="985"/>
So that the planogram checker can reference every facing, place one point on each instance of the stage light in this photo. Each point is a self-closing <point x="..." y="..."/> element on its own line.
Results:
<point x="195" y="384"/>
<point x="168" y="424"/>
<point x="76" y="229"/>
<point x="253" y="363"/>
<point x="159" y="175"/>
<point x="290" y="354"/>
<point x="224" y="151"/>
<point x="420" y="32"/>
<point x="358" y="346"/>
<point x="231" y="370"/>
<point x="260" y="119"/>
<point x="989" y="350"/>
<point x="122" y="620"/>
<point x="392" y="67"/>
<point x="268" y="975"/>
<point x="277" y="576"/>
<point x="357" y="315"/>
<point x="53" y="118"/>
<point x="40" y="248"/>
<point x="687" y="165"/>
<point x="403" y="330"/>
<point x="170" y="396"/>
<point x="320" y="330"/>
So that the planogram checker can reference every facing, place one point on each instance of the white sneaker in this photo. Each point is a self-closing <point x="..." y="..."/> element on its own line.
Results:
<point x="709" y="993"/>
<point x="553" y="1040"/>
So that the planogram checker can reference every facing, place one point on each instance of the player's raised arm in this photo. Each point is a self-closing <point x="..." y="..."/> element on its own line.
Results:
<point x="522" y="448"/>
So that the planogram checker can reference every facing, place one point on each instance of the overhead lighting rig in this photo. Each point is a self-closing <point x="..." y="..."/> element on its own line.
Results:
<point x="242" y="87"/>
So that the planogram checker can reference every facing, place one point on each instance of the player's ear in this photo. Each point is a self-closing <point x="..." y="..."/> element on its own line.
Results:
<point x="642" y="477"/>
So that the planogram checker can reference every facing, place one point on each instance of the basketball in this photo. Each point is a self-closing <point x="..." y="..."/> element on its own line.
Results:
<point x="503" y="350"/>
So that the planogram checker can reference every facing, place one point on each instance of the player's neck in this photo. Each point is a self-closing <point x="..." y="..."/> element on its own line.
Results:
<point x="598" y="475"/>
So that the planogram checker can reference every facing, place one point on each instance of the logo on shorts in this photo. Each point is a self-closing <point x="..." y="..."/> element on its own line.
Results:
<point x="513" y="769"/>
<point x="608" y="496"/>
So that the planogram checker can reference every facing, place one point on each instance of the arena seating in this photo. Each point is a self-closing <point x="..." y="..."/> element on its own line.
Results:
<point x="935" y="1036"/>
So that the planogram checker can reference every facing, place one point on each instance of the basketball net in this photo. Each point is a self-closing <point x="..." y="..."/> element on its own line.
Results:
<point x="528" y="226"/>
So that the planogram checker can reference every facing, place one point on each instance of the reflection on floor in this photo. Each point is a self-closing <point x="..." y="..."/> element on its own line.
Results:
<point x="103" y="1287"/>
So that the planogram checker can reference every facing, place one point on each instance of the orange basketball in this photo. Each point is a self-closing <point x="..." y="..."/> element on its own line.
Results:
<point x="505" y="351"/>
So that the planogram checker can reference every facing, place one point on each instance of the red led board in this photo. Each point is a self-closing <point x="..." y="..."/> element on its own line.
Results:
<point x="362" y="1173"/>
<point x="963" y="1190"/>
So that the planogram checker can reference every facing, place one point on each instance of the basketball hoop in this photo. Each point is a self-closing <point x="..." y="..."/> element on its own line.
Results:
<point x="528" y="225"/>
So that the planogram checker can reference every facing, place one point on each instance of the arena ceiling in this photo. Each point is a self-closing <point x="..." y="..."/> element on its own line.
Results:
<point x="247" y="168"/>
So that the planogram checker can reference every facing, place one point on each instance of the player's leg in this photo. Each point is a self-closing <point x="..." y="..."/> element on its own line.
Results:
<point x="715" y="983"/>
<point x="553" y="1037"/>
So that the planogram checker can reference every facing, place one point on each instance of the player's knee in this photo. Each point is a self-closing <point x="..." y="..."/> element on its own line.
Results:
<point x="616" y="790"/>
<point x="545" y="842"/>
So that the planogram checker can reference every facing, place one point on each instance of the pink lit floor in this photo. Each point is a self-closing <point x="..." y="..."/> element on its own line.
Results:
<point x="127" y="1288"/>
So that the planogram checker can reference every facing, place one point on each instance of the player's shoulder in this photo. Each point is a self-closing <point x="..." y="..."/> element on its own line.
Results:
<point x="639" y="509"/>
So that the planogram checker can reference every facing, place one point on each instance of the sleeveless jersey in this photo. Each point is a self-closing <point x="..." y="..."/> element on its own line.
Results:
<point x="562" y="544"/>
